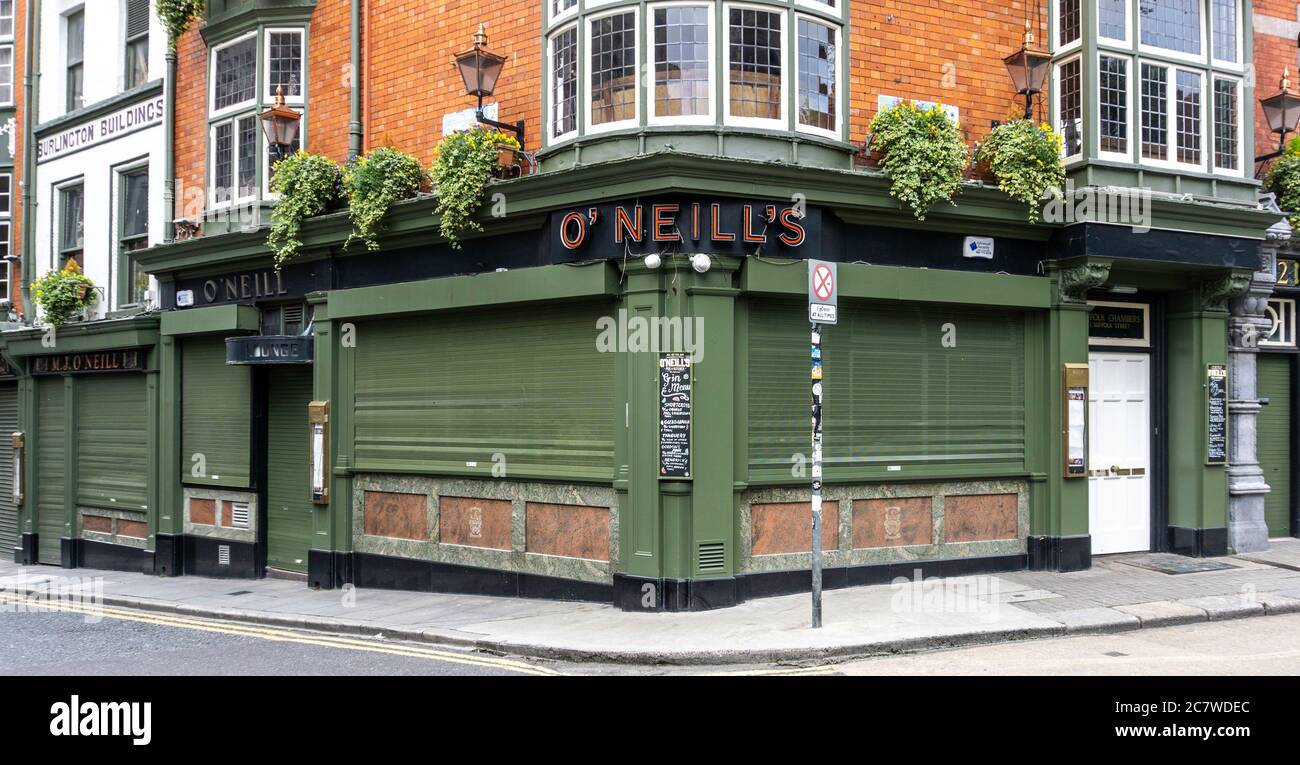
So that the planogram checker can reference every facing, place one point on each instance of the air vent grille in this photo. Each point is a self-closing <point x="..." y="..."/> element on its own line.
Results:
<point x="293" y="314"/>
<point x="239" y="515"/>
<point x="712" y="556"/>
<point x="223" y="555"/>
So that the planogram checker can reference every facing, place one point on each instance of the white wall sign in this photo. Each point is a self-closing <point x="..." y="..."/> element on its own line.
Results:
<point x="884" y="102"/>
<point x="459" y="122"/>
<point x="106" y="128"/>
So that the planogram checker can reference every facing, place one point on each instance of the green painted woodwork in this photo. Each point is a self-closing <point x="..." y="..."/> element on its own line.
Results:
<point x="50" y="487"/>
<point x="8" y="510"/>
<point x="895" y="396"/>
<point x="641" y="534"/>
<point x="858" y="280"/>
<point x="1274" y="440"/>
<point x="112" y="442"/>
<point x="288" y="508"/>
<point x="1198" y="494"/>
<point x="222" y="318"/>
<point x="215" y="419"/>
<point x="526" y="385"/>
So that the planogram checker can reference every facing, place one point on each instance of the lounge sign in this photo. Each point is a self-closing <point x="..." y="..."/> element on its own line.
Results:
<point x="106" y="128"/>
<point x="260" y="350"/>
<point x="686" y="226"/>
<point x="89" y="362"/>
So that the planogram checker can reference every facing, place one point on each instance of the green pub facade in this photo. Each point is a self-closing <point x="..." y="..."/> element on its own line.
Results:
<point x="606" y="395"/>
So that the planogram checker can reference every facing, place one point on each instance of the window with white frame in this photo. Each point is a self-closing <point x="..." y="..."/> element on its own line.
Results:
<point x="6" y="19"/>
<point x="6" y="231"/>
<point x="246" y="75"/>
<point x="7" y="75"/>
<point x="1168" y="84"/>
<point x="768" y="64"/>
<point x="1282" y="312"/>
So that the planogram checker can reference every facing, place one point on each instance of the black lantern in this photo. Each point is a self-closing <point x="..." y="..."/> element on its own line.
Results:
<point x="280" y="124"/>
<point x="1028" y="70"/>
<point x="480" y="69"/>
<point x="1282" y="110"/>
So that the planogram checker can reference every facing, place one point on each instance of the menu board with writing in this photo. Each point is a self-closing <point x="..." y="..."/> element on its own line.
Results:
<point x="1216" y="389"/>
<point x="675" y="415"/>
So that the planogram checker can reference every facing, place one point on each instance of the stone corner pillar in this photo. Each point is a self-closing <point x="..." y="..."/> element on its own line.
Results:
<point x="1247" y="531"/>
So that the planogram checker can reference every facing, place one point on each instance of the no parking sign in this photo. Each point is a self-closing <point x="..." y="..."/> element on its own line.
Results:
<point x="823" y="292"/>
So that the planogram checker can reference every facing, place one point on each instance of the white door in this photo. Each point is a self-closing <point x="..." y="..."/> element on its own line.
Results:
<point x="1119" y="454"/>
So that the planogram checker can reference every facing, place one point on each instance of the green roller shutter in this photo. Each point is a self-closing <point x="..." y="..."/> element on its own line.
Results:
<point x="215" y="426"/>
<point x="289" y="509"/>
<point x="895" y="395"/>
<point x="528" y="384"/>
<point x="112" y="441"/>
<point x="51" y="468"/>
<point x="1274" y="440"/>
<point x="8" y="425"/>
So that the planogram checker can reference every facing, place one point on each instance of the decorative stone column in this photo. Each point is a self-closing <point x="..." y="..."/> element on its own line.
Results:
<point x="1247" y="531"/>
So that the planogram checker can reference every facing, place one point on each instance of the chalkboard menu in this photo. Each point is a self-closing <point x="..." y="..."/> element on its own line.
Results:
<point x="1216" y="389"/>
<point x="675" y="415"/>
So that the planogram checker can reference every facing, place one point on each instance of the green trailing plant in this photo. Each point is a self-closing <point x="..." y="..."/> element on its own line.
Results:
<point x="307" y="185"/>
<point x="462" y="168"/>
<point x="177" y="16"/>
<point x="1026" y="160"/>
<point x="1283" y="179"/>
<point x="923" y="153"/>
<point x="372" y="183"/>
<point x="64" y="293"/>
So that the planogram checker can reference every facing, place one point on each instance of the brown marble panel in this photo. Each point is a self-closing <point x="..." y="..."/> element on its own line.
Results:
<point x="136" y="529"/>
<point x="892" y="522"/>
<point x="203" y="512"/>
<point x="981" y="517"/>
<point x="571" y="531"/>
<point x="786" y="527"/>
<point x="398" y="516"/>
<point x="475" y="522"/>
<point x="100" y="523"/>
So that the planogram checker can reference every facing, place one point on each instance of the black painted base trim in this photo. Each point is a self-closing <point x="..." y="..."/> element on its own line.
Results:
<point x="201" y="558"/>
<point x="384" y="572"/>
<point x="68" y="552"/>
<point x="328" y="569"/>
<point x="26" y="551"/>
<point x="168" y="555"/>
<point x="1062" y="554"/>
<point x="632" y="593"/>
<point x="1198" y="543"/>
<point x="111" y="557"/>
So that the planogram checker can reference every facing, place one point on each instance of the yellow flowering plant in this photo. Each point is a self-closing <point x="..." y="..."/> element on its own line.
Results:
<point x="924" y="155"/>
<point x="1026" y="159"/>
<point x="64" y="293"/>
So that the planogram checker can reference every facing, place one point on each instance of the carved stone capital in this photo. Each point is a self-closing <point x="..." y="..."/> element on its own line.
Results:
<point x="1075" y="282"/>
<point x="1216" y="293"/>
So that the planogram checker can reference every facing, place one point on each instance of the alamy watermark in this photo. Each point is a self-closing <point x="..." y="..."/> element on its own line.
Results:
<point x="1100" y="204"/>
<point x="651" y="334"/>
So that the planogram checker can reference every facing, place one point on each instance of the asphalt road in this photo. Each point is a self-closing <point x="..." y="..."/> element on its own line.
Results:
<point x="36" y="642"/>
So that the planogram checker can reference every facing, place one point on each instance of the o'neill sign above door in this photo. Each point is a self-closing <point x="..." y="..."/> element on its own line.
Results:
<point x="685" y="225"/>
<point x="103" y="128"/>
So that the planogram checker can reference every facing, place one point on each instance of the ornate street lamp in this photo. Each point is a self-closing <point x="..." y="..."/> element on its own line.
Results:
<point x="1282" y="110"/>
<point x="280" y="124"/>
<point x="1028" y="70"/>
<point x="480" y="68"/>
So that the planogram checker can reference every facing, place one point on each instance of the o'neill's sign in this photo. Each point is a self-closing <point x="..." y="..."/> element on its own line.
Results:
<point x="685" y="225"/>
<point x="105" y="128"/>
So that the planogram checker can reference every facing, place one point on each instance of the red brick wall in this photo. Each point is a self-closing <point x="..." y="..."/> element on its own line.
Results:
<point x="191" y="124"/>
<point x="1273" y="53"/>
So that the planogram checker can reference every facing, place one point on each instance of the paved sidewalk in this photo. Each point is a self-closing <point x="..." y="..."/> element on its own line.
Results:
<point x="1116" y="594"/>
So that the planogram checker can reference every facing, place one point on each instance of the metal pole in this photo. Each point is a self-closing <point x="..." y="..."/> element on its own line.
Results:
<point x="356" y="130"/>
<point x="816" y="476"/>
<point x="31" y="81"/>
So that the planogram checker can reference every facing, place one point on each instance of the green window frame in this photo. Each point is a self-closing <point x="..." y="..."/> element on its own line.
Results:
<point x="75" y="44"/>
<point x="72" y="223"/>
<point x="136" y="53"/>
<point x="133" y="233"/>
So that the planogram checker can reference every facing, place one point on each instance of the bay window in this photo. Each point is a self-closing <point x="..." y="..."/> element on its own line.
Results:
<point x="1166" y="83"/>
<point x="246" y="74"/>
<point x="6" y="233"/>
<point x="766" y="64"/>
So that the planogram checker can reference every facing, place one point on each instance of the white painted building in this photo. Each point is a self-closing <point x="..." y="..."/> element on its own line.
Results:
<point x="100" y="143"/>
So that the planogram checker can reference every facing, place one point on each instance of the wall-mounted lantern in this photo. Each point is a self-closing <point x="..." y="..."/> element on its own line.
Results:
<point x="1028" y="70"/>
<point x="318" y="445"/>
<point x="281" y="125"/>
<point x="1282" y="110"/>
<point x="19" y="442"/>
<point x="480" y="69"/>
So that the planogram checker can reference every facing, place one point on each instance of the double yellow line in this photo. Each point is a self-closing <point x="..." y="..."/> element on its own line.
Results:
<point x="273" y="634"/>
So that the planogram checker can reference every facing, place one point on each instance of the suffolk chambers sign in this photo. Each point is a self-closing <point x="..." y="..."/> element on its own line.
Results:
<point x="640" y="227"/>
<point x="105" y="128"/>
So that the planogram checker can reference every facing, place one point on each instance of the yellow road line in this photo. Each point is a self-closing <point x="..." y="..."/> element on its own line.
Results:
<point x="280" y="635"/>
